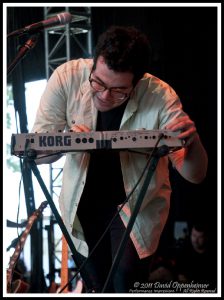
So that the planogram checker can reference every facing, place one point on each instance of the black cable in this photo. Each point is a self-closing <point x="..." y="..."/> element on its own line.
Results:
<point x="156" y="154"/>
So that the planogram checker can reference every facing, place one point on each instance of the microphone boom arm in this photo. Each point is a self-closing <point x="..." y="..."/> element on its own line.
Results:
<point x="29" y="44"/>
<point x="60" y="19"/>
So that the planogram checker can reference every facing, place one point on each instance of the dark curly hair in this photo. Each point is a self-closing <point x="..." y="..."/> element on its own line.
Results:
<point x="125" y="49"/>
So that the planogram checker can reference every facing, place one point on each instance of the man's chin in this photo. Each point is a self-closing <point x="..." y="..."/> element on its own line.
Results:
<point x="102" y="108"/>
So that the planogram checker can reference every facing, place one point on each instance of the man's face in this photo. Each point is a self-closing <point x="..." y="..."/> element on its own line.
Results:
<point x="198" y="240"/>
<point x="115" y="87"/>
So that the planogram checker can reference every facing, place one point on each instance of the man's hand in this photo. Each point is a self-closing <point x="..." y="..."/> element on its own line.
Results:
<point x="191" y="161"/>
<point x="187" y="128"/>
<point x="80" y="128"/>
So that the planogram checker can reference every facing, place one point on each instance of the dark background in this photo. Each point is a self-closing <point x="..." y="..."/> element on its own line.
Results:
<point x="184" y="42"/>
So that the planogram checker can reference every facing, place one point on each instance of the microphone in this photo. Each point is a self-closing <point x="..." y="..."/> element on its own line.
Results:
<point x="59" y="19"/>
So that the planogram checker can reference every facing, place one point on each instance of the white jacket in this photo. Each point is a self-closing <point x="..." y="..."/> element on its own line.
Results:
<point x="154" y="103"/>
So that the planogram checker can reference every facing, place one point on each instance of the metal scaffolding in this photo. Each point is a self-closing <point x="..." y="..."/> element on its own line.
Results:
<point x="70" y="41"/>
<point x="63" y="43"/>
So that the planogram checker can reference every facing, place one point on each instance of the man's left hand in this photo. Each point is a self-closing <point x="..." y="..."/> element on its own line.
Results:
<point x="187" y="128"/>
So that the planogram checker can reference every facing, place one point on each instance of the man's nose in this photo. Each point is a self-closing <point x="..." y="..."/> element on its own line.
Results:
<point x="105" y="94"/>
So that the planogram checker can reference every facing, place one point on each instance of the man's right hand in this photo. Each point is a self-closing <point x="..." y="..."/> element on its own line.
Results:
<point x="80" y="128"/>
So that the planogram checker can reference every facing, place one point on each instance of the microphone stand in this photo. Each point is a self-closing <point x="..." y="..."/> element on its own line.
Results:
<point x="29" y="44"/>
<point x="29" y="160"/>
<point x="161" y="151"/>
<point x="75" y="254"/>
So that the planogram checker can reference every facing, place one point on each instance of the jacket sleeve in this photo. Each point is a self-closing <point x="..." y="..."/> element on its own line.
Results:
<point x="51" y="113"/>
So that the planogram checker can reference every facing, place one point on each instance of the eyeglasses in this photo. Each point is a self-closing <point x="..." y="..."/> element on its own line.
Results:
<point x="114" y="93"/>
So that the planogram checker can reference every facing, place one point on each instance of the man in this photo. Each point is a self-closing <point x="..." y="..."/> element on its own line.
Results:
<point x="114" y="92"/>
<point x="197" y="259"/>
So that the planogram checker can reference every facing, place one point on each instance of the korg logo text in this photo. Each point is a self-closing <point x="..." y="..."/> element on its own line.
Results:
<point x="51" y="141"/>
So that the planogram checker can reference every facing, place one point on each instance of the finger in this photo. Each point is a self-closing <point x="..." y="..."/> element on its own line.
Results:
<point x="181" y="126"/>
<point x="83" y="128"/>
<point x="190" y="139"/>
<point x="75" y="128"/>
<point x="187" y="133"/>
<point x="80" y="128"/>
<point x="179" y="123"/>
